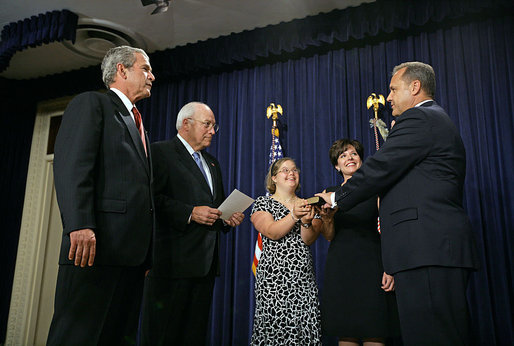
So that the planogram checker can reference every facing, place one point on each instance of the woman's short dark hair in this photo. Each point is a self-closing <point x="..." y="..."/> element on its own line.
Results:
<point x="272" y="171"/>
<point x="341" y="145"/>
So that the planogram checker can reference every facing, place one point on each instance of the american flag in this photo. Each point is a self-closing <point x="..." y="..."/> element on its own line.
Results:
<point x="275" y="153"/>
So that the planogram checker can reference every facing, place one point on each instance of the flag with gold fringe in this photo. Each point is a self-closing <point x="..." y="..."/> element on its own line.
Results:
<point x="275" y="153"/>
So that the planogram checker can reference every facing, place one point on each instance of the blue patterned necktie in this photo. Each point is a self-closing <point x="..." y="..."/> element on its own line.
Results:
<point x="198" y="161"/>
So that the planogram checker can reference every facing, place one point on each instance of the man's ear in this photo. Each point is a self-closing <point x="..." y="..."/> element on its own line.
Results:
<point x="121" y="70"/>
<point x="415" y="87"/>
<point x="185" y="123"/>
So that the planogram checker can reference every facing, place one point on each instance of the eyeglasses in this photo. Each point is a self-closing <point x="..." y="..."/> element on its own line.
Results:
<point x="286" y="171"/>
<point x="207" y="124"/>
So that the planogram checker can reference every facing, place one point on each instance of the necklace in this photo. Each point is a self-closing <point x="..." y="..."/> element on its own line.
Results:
<point x="284" y="201"/>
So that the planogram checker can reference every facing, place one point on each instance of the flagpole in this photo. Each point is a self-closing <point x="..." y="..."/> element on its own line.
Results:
<point x="275" y="153"/>
<point x="378" y="125"/>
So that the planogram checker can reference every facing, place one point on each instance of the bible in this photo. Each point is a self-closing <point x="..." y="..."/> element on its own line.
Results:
<point x="316" y="201"/>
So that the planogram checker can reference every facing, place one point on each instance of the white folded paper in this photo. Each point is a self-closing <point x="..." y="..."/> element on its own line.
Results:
<point x="235" y="202"/>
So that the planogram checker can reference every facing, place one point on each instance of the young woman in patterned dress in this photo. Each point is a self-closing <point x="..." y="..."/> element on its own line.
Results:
<point x="287" y="307"/>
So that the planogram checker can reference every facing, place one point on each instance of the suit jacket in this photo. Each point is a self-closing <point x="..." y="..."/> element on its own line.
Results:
<point x="419" y="175"/>
<point x="103" y="179"/>
<point x="184" y="250"/>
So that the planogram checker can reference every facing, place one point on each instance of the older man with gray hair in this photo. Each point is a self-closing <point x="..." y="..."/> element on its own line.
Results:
<point x="188" y="190"/>
<point x="103" y="182"/>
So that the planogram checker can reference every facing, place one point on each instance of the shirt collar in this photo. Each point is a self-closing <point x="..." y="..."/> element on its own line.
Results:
<point x="129" y="105"/>
<point x="186" y="144"/>
<point x="423" y="102"/>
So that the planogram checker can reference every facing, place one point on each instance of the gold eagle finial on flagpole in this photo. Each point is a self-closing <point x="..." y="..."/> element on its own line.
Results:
<point x="273" y="112"/>
<point x="375" y="101"/>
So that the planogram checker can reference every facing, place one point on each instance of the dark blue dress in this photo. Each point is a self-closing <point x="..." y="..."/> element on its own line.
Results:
<point x="353" y="303"/>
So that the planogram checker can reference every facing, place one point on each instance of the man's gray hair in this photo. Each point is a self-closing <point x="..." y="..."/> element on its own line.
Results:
<point x="187" y="112"/>
<point x="416" y="70"/>
<point x="124" y="55"/>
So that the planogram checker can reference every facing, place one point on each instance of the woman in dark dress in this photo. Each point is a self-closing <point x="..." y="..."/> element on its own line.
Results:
<point x="358" y="304"/>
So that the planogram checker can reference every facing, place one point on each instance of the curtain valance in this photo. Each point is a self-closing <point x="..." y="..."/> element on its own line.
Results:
<point x="35" y="31"/>
<point x="301" y="36"/>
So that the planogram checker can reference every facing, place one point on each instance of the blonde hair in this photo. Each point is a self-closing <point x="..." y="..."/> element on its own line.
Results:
<point x="272" y="171"/>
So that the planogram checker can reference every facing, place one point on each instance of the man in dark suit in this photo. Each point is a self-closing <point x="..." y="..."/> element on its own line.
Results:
<point x="102" y="171"/>
<point x="188" y="188"/>
<point x="427" y="243"/>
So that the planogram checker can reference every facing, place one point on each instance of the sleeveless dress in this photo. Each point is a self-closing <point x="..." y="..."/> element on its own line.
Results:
<point x="286" y="296"/>
<point x="353" y="303"/>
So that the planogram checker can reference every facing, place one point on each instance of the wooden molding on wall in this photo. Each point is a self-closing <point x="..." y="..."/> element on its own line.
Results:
<point x="32" y="245"/>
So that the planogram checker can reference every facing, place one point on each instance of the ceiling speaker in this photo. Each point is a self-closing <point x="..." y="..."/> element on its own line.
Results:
<point x="93" y="40"/>
<point x="162" y="5"/>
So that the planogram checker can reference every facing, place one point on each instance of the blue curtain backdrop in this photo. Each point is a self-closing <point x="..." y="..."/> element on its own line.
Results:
<point x="324" y="99"/>
<point x="322" y="81"/>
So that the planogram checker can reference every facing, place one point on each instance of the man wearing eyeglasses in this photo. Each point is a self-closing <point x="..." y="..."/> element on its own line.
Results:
<point x="188" y="188"/>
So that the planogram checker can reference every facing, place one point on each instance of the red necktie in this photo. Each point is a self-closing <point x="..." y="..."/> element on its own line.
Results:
<point x="139" y="125"/>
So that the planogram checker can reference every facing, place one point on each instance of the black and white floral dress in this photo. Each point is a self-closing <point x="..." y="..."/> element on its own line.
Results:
<point x="286" y="296"/>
